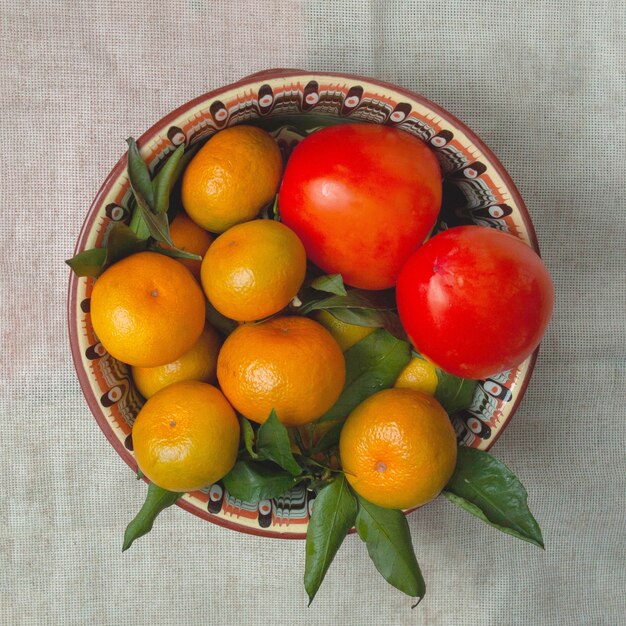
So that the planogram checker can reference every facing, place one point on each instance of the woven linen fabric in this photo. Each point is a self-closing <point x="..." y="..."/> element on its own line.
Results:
<point x="542" y="82"/>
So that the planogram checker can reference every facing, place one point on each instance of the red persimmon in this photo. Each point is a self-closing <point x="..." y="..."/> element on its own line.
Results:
<point x="362" y="198"/>
<point x="475" y="301"/>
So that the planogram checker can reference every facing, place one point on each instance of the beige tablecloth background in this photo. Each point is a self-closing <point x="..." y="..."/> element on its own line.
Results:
<point x="542" y="82"/>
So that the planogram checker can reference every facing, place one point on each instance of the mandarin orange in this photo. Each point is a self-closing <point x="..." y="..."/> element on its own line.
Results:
<point x="398" y="448"/>
<point x="253" y="270"/>
<point x="231" y="178"/>
<point x="186" y="436"/>
<point x="147" y="309"/>
<point x="290" y="364"/>
<point x="198" y="363"/>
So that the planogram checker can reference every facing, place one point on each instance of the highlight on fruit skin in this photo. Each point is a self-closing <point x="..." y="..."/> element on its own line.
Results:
<point x="231" y="178"/>
<point x="198" y="363"/>
<point x="186" y="436"/>
<point x="398" y="448"/>
<point x="147" y="309"/>
<point x="253" y="270"/>
<point x="290" y="364"/>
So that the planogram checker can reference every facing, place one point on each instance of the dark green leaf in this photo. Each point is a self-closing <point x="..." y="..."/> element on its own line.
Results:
<point x="354" y="299"/>
<point x="275" y="210"/>
<point x="157" y="499"/>
<point x="372" y="319"/>
<point x="157" y="225"/>
<point x="331" y="283"/>
<point x="333" y="515"/>
<point x="221" y="323"/>
<point x="454" y="393"/>
<point x="488" y="489"/>
<point x="374" y="309"/>
<point x="175" y="253"/>
<point x="165" y="179"/>
<point x="139" y="176"/>
<point x="138" y="224"/>
<point x="121" y="242"/>
<point x="160" y="231"/>
<point x="253" y="482"/>
<point x="88" y="262"/>
<point x="388" y="540"/>
<point x="272" y="444"/>
<point x="247" y="434"/>
<point x="372" y="364"/>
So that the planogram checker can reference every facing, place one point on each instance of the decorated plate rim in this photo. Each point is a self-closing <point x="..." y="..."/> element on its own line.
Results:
<point x="186" y="502"/>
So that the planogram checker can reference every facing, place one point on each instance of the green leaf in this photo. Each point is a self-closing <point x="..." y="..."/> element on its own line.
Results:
<point x="220" y="322"/>
<point x="374" y="309"/>
<point x="488" y="489"/>
<point x="331" y="283"/>
<point x="152" y="197"/>
<point x="88" y="262"/>
<point x="175" y="206"/>
<point x="372" y="364"/>
<point x="175" y="253"/>
<point x="272" y="444"/>
<point x="155" y="222"/>
<point x="371" y="319"/>
<point x="121" y="242"/>
<point x="160" y="231"/>
<point x="138" y="224"/>
<point x="354" y="299"/>
<point x="454" y="393"/>
<point x="253" y="482"/>
<point x="275" y="211"/>
<point x="158" y="226"/>
<point x="388" y="539"/>
<point x="165" y="180"/>
<point x="139" y="176"/>
<point x="157" y="499"/>
<point x="247" y="434"/>
<point x="333" y="515"/>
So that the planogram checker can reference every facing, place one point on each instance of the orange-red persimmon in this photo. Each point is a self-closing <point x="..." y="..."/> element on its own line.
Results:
<point x="475" y="301"/>
<point x="362" y="198"/>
